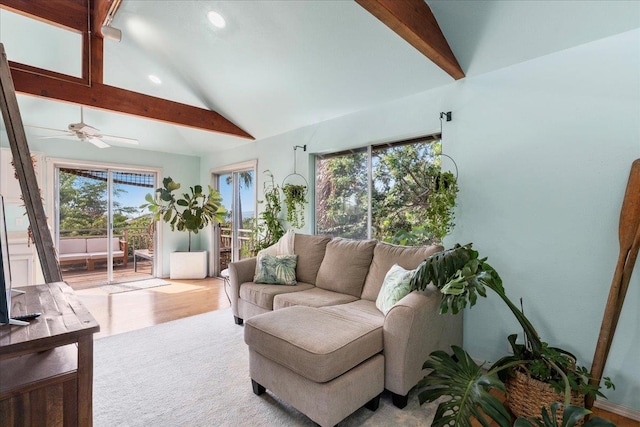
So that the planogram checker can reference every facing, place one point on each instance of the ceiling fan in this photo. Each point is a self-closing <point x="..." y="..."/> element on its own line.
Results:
<point x="87" y="133"/>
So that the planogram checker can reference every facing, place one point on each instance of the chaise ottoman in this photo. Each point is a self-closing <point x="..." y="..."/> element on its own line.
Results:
<point x="324" y="363"/>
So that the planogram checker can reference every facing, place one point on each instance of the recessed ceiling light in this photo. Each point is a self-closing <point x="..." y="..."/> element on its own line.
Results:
<point x="155" y="79"/>
<point x="216" y="19"/>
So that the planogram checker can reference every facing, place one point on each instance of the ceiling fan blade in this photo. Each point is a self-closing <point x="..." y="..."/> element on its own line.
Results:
<point x="120" y="139"/>
<point x="71" y="136"/>
<point x="97" y="142"/>
<point x="90" y="130"/>
<point x="48" y="129"/>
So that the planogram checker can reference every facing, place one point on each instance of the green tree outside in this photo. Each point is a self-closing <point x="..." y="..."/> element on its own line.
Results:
<point x="403" y="192"/>
<point x="83" y="207"/>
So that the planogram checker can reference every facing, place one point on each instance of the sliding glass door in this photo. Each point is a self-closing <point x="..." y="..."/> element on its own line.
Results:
<point x="101" y="234"/>
<point x="234" y="236"/>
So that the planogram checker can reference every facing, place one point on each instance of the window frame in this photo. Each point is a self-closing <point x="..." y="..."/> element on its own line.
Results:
<point x="369" y="149"/>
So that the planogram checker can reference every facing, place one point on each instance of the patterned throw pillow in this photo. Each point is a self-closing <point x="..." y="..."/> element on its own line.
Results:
<point x="394" y="287"/>
<point x="276" y="269"/>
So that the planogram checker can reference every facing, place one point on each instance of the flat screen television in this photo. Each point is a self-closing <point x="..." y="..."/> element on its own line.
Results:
<point x="5" y="273"/>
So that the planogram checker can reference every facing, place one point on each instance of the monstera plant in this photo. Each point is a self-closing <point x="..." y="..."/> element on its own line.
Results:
<point x="461" y="276"/>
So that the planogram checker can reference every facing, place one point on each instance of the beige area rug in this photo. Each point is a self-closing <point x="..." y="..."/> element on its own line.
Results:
<point x="195" y="372"/>
<point x="133" y="286"/>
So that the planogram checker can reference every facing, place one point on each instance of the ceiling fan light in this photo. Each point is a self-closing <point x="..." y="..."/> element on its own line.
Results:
<point x="216" y="19"/>
<point x="155" y="79"/>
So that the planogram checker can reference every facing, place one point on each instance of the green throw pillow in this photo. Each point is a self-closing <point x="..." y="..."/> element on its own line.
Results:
<point x="394" y="287"/>
<point x="276" y="269"/>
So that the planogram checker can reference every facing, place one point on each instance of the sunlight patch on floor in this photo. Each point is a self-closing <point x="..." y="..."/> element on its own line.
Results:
<point x="175" y="288"/>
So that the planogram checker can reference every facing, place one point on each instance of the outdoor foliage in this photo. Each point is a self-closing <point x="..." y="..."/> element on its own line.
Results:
<point x="412" y="199"/>
<point x="83" y="206"/>
<point x="341" y="196"/>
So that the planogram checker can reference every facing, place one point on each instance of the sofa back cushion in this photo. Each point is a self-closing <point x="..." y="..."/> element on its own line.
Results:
<point x="385" y="255"/>
<point x="345" y="265"/>
<point x="310" y="251"/>
<point x="73" y="246"/>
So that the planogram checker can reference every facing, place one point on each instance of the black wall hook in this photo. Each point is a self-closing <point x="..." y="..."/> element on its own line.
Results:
<point x="448" y="116"/>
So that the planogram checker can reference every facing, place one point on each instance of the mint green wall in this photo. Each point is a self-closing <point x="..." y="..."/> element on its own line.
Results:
<point x="544" y="150"/>
<point x="183" y="169"/>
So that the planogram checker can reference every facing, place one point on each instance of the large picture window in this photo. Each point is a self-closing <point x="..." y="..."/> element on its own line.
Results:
<point x="378" y="191"/>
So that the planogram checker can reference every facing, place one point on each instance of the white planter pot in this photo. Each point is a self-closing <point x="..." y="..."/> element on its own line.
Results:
<point x="188" y="265"/>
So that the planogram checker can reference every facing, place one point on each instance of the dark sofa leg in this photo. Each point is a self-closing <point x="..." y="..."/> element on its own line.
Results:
<point x="237" y="320"/>
<point x="373" y="404"/>
<point x="257" y="388"/>
<point x="400" y="401"/>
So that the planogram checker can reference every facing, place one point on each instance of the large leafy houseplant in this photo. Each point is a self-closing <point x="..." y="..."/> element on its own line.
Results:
<point x="269" y="228"/>
<point x="461" y="276"/>
<point x="192" y="212"/>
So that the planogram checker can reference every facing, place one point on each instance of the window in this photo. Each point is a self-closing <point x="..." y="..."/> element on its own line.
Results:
<point x="377" y="191"/>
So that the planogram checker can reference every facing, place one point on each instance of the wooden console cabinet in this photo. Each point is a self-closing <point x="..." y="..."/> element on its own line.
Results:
<point x="46" y="368"/>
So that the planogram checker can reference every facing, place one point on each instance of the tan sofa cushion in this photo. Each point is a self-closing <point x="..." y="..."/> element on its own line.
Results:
<point x="73" y="246"/>
<point x="361" y="310"/>
<point x="99" y="244"/>
<point x="315" y="297"/>
<point x="262" y="295"/>
<point x="385" y="255"/>
<point x="103" y="255"/>
<point x="345" y="265"/>
<point x="82" y="256"/>
<point x="311" y="250"/>
<point x="327" y="346"/>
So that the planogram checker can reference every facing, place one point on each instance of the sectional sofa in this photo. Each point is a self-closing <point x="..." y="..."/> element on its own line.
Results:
<point x="322" y="345"/>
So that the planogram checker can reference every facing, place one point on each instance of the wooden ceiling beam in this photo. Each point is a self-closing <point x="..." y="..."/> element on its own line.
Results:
<point x="90" y="90"/>
<point x="100" y="11"/>
<point x="72" y="14"/>
<point x="413" y="21"/>
<point x="111" y="98"/>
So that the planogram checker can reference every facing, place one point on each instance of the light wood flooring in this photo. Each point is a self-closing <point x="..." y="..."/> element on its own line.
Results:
<point x="127" y="311"/>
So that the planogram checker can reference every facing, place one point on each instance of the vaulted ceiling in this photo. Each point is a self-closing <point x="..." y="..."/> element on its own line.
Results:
<point x="276" y="65"/>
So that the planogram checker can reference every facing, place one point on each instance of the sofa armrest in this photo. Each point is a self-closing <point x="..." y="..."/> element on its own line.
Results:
<point x="240" y="272"/>
<point x="413" y="328"/>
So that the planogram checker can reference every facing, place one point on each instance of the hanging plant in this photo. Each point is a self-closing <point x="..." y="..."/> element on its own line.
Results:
<point x="441" y="201"/>
<point x="295" y="199"/>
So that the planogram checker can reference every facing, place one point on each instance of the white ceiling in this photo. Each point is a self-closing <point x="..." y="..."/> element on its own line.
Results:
<point x="282" y="65"/>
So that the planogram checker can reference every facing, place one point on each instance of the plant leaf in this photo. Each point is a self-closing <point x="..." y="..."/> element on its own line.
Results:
<point x="468" y="386"/>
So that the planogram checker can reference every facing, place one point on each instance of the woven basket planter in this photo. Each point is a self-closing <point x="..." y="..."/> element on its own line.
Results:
<point x="527" y="396"/>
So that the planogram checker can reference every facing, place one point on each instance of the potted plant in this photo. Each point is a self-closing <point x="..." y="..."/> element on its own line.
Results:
<point x="461" y="276"/>
<point x="192" y="212"/>
<point x="295" y="197"/>
<point x="269" y="229"/>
